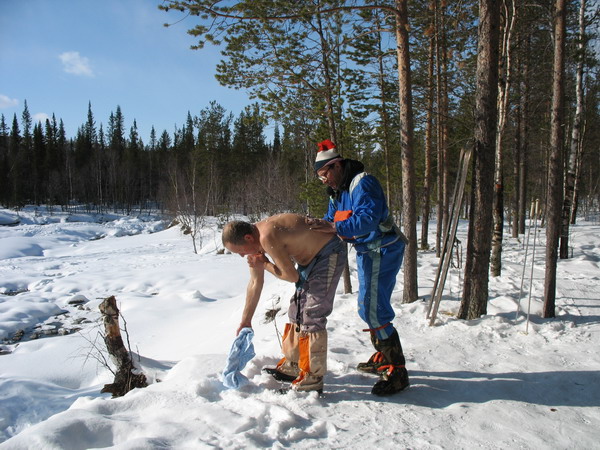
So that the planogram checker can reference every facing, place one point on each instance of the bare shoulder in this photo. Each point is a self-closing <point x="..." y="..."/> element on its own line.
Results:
<point x="290" y="234"/>
<point x="282" y="224"/>
<point x="283" y="228"/>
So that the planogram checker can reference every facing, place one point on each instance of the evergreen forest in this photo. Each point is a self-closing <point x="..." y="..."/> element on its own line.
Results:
<point x="403" y="86"/>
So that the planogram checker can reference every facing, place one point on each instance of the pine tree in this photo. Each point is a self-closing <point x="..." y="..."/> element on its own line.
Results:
<point x="555" y="167"/>
<point x="475" y="293"/>
<point x="27" y="159"/>
<point x="40" y="171"/>
<point x="16" y="167"/>
<point x="4" y="162"/>
<point x="276" y="145"/>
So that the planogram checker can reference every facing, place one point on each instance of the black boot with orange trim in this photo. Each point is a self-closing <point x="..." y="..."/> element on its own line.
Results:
<point x="394" y="376"/>
<point x="393" y="379"/>
<point x="375" y="361"/>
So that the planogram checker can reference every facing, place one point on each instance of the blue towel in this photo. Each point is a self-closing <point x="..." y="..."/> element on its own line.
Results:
<point x="242" y="351"/>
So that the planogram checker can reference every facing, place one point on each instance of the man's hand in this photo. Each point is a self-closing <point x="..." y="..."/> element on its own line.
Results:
<point x="257" y="261"/>
<point x="321" y="225"/>
<point x="242" y="326"/>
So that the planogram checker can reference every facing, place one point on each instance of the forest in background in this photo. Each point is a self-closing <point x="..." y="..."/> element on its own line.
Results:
<point x="111" y="168"/>
<point x="395" y="84"/>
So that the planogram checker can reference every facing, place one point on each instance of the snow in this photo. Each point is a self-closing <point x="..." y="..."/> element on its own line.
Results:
<point x="501" y="381"/>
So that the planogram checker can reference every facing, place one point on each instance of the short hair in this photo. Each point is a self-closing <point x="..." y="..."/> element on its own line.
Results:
<point x="234" y="232"/>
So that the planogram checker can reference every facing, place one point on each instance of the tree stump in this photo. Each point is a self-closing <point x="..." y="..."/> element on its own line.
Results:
<point x="127" y="377"/>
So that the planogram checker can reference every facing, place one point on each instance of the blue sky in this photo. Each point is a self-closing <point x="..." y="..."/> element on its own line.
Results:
<point x="59" y="55"/>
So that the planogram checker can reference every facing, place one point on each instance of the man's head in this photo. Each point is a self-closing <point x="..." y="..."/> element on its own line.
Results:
<point x="241" y="237"/>
<point x="329" y="164"/>
<point x="326" y="154"/>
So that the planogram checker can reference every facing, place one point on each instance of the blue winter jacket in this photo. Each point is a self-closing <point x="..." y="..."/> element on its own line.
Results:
<point x="359" y="213"/>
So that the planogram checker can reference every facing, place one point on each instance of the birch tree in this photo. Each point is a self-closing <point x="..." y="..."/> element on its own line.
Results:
<point x="576" y="134"/>
<point x="504" y="86"/>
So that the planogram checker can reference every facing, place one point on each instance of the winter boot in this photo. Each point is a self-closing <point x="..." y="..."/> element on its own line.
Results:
<point x="375" y="361"/>
<point x="284" y="371"/>
<point x="312" y="362"/>
<point x="287" y="368"/>
<point x="394" y="377"/>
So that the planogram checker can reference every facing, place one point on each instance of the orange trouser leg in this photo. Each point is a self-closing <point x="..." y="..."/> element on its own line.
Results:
<point x="290" y="348"/>
<point x="313" y="361"/>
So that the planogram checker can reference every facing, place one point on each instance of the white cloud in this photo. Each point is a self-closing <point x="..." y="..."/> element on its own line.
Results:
<point x="40" y="117"/>
<point x="76" y="64"/>
<point x="7" y="102"/>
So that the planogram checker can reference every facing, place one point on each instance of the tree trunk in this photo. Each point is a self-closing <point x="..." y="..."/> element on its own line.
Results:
<point x="428" y="144"/>
<point x="329" y="90"/>
<point x="497" y="220"/>
<point x="555" y="167"/>
<point x="329" y="95"/>
<point x="504" y="86"/>
<point x="439" y="48"/>
<point x="346" y="277"/>
<point x="125" y="377"/>
<point x="575" y="139"/>
<point x="524" y="137"/>
<point x="385" y="122"/>
<point x="577" y="182"/>
<point x="475" y="293"/>
<point x="516" y="211"/>
<point x="443" y="129"/>
<point x="409" y="209"/>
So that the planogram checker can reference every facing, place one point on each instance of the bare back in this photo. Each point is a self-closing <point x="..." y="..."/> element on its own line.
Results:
<point x="290" y="234"/>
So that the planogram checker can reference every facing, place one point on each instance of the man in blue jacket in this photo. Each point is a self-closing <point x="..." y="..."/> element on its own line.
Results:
<point x="359" y="214"/>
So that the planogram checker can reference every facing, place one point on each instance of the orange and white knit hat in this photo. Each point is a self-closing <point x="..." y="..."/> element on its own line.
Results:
<point x="326" y="154"/>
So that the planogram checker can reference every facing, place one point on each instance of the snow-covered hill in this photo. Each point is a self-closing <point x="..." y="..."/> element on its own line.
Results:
<point x="478" y="384"/>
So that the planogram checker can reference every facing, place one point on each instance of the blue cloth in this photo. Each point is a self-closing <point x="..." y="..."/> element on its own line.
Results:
<point x="242" y="351"/>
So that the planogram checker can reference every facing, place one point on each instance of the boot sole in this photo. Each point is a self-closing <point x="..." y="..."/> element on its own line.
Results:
<point x="279" y="376"/>
<point x="284" y="391"/>
<point x="370" y="370"/>
<point x="386" y="394"/>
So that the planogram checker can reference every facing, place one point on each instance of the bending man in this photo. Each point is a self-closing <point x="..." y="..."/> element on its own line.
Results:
<point x="314" y="262"/>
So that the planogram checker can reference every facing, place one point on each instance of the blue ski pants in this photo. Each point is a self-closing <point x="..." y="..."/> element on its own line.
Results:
<point x="377" y="272"/>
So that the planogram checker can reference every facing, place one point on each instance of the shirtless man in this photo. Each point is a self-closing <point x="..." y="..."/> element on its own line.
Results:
<point x="314" y="262"/>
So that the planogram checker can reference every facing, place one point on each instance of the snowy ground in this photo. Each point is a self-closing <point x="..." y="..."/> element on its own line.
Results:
<point x="479" y="384"/>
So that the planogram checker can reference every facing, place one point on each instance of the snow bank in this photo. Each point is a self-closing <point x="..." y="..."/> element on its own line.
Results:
<point x="506" y="380"/>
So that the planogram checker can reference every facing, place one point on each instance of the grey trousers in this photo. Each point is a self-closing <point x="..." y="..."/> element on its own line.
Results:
<point x="313" y="300"/>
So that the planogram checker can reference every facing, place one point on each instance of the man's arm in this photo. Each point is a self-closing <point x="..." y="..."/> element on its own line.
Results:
<point x="321" y="225"/>
<point x="368" y="206"/>
<point x="331" y="209"/>
<point x="253" y="291"/>
<point x="282" y="266"/>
